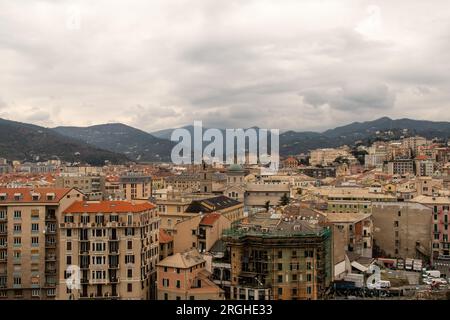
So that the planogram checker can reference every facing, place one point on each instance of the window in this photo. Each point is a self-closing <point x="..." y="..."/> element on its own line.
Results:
<point x="166" y="296"/>
<point x="34" y="241"/>
<point x="396" y="224"/>
<point x="68" y="260"/>
<point x="17" y="241"/>
<point x="309" y="277"/>
<point x="17" y="280"/>
<point x="308" y="266"/>
<point x="280" y="278"/>
<point x="165" y="282"/>
<point x="308" y="290"/>
<point x="130" y="287"/>
<point x="129" y="245"/>
<point x="130" y="273"/>
<point x="178" y="283"/>
<point x="280" y="254"/>
<point x="35" y="227"/>
<point x="294" y="277"/>
<point x="280" y="291"/>
<point x="68" y="233"/>
<point x="17" y="214"/>
<point x="35" y="293"/>
<point x="129" y="258"/>
<point x="85" y="219"/>
<point x="280" y="266"/>
<point x="399" y="213"/>
<point x="17" y="228"/>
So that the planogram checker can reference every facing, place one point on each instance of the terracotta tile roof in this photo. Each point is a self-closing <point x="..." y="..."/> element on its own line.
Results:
<point x="108" y="207"/>
<point x="26" y="194"/>
<point x="210" y="219"/>
<point x="164" y="237"/>
<point x="421" y="157"/>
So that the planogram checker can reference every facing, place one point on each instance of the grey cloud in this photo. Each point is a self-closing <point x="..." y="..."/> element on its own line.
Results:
<point x="286" y="64"/>
<point x="352" y="97"/>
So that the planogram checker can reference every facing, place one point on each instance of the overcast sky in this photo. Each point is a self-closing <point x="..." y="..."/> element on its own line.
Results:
<point x="298" y="64"/>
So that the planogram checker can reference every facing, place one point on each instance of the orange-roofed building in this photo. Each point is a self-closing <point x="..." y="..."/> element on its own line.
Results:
<point x="116" y="245"/>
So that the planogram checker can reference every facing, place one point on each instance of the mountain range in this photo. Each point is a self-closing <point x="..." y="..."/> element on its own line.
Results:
<point x="120" y="143"/>
<point x="28" y="142"/>
<point x="136" y="144"/>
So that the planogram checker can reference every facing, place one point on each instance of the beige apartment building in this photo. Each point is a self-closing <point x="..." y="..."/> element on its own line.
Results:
<point x="183" y="276"/>
<point x="349" y="199"/>
<point x="115" y="244"/>
<point x="200" y="232"/>
<point x="93" y="186"/>
<point x="402" y="229"/>
<point x="29" y="220"/>
<point x="135" y="186"/>
<point x="327" y="156"/>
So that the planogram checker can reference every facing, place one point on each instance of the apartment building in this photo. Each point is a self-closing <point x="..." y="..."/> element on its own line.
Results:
<point x="324" y="157"/>
<point x="184" y="182"/>
<point x="440" y="231"/>
<point x="357" y="231"/>
<point x="116" y="246"/>
<point x="402" y="230"/>
<point x="318" y="172"/>
<point x="259" y="193"/>
<point x="352" y="199"/>
<point x="400" y="167"/>
<point x="135" y="185"/>
<point x="424" y="167"/>
<point x="29" y="220"/>
<point x="274" y="258"/>
<point x="200" y="232"/>
<point x="183" y="276"/>
<point x="92" y="186"/>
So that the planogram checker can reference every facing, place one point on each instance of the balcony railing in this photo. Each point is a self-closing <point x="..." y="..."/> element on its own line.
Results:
<point x="50" y="244"/>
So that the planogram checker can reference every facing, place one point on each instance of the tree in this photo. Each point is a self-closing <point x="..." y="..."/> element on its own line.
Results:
<point x="284" y="200"/>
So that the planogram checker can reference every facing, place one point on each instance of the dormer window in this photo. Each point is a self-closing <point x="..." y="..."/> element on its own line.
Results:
<point x="17" y="196"/>
<point x="35" y="196"/>
<point x="3" y="196"/>
<point x="50" y="196"/>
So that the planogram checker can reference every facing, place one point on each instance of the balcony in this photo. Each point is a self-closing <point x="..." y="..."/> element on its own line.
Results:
<point x="50" y="285"/>
<point x="98" y="281"/>
<point x="50" y="245"/>
<point x="50" y="257"/>
<point x="114" y="280"/>
<point x="113" y="266"/>
<point x="49" y="217"/>
<point x="50" y="271"/>
<point x="4" y="232"/>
